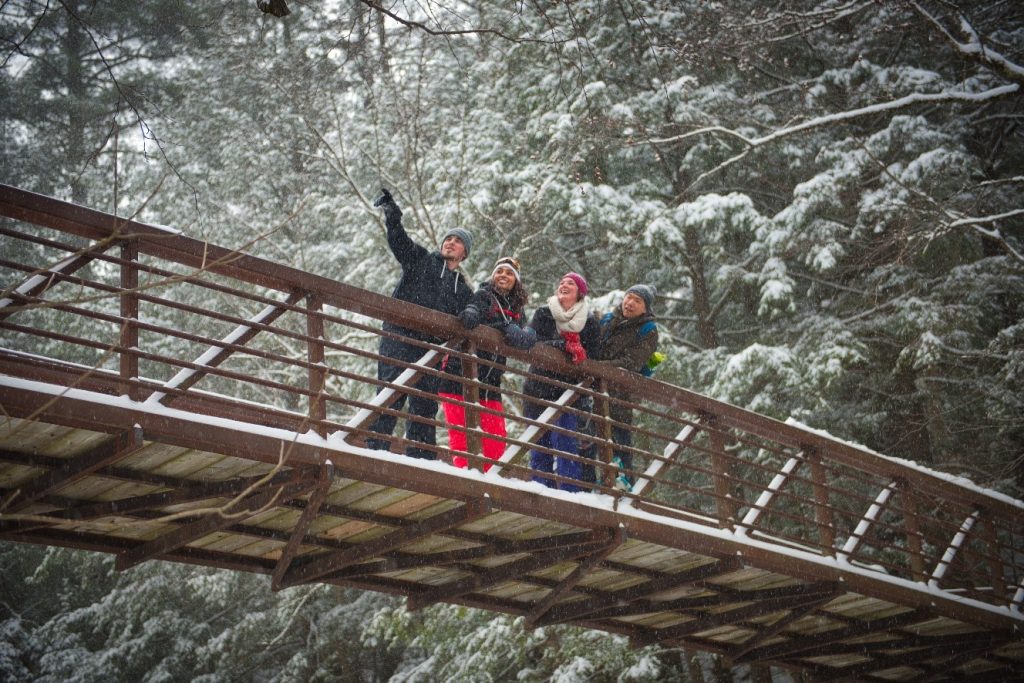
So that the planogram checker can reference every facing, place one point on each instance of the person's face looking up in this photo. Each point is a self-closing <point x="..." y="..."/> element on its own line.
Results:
<point x="503" y="280"/>
<point x="567" y="291"/>
<point x="452" y="249"/>
<point x="633" y="306"/>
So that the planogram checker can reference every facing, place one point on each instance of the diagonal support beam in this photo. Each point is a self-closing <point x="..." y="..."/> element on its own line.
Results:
<point x="121" y="446"/>
<point x="954" y="547"/>
<point x="500" y="574"/>
<point x="618" y="537"/>
<point x="870" y="517"/>
<point x="187" y="533"/>
<point x="37" y="283"/>
<point x="327" y="563"/>
<point x="749" y="520"/>
<point x="534" y="432"/>
<point x="770" y="631"/>
<point x="216" y="355"/>
<point x="659" y="468"/>
<point x="291" y="548"/>
<point x="387" y="395"/>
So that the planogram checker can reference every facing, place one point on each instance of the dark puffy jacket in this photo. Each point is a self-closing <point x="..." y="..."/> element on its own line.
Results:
<point x="495" y="311"/>
<point x="426" y="281"/>
<point x="544" y="323"/>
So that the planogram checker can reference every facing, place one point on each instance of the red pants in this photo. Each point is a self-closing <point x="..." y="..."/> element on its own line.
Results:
<point x="455" y="416"/>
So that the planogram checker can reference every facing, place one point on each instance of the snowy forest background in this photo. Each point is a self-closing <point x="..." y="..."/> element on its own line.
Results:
<point x="827" y="196"/>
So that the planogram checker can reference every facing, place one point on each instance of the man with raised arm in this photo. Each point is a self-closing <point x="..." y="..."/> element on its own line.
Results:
<point x="429" y="279"/>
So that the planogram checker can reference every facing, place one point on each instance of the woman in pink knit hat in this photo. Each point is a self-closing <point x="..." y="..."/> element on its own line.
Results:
<point x="566" y="323"/>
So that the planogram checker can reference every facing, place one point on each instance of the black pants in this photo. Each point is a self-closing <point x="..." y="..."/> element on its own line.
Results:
<point x="420" y="406"/>
<point x="621" y="436"/>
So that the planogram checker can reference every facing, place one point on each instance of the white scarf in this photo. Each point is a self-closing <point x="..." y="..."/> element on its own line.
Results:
<point x="572" y="320"/>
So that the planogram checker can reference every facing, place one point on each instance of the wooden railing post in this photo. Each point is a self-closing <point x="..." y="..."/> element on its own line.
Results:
<point x="602" y="410"/>
<point x="721" y="466"/>
<point x="822" y="511"/>
<point x="912" y="524"/>
<point x="129" y="300"/>
<point x="317" y="360"/>
<point x="471" y="395"/>
<point x="995" y="565"/>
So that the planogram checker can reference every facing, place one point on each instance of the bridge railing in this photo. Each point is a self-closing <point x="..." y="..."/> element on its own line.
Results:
<point x="135" y="310"/>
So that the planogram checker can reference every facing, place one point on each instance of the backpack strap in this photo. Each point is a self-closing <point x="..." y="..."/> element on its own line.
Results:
<point x="646" y="329"/>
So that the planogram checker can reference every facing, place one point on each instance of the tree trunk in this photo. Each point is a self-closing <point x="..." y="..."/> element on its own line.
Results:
<point x="76" y="156"/>
<point x="701" y="294"/>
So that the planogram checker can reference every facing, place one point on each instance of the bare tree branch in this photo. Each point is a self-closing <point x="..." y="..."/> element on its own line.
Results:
<point x="457" y="32"/>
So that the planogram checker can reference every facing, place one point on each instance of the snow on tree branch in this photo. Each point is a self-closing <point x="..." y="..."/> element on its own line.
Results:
<point x="839" y="117"/>
<point x="454" y="32"/>
<point x="809" y="21"/>
<point x="829" y="120"/>
<point x="975" y="49"/>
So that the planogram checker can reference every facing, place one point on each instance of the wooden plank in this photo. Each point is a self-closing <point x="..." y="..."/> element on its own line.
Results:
<point x="819" y="644"/>
<point x="79" y="467"/>
<point x="770" y="631"/>
<point x="331" y="562"/>
<point x="210" y="524"/>
<point x="502" y="573"/>
<point x="148" y="501"/>
<point x="707" y="622"/>
<point x="582" y="608"/>
<point x="723" y="598"/>
<point x="943" y="657"/>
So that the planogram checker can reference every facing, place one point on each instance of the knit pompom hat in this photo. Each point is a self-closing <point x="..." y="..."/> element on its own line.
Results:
<point x="645" y="292"/>
<point x="581" y="284"/>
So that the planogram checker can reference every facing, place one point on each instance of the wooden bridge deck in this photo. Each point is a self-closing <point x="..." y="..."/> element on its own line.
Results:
<point x="759" y="540"/>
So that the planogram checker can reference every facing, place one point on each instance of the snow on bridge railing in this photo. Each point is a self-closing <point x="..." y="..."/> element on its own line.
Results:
<point x="149" y="313"/>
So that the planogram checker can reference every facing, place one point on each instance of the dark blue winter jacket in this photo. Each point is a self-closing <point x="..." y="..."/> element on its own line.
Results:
<point x="426" y="281"/>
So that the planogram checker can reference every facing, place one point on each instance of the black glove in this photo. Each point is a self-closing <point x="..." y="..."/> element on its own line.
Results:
<point x="387" y="202"/>
<point x="469" y="317"/>
<point x="520" y="337"/>
<point x="557" y="343"/>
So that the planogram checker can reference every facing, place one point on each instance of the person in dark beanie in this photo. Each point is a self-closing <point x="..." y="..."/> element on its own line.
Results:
<point x="429" y="279"/>
<point x="567" y="324"/>
<point x="497" y="303"/>
<point x="629" y="336"/>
